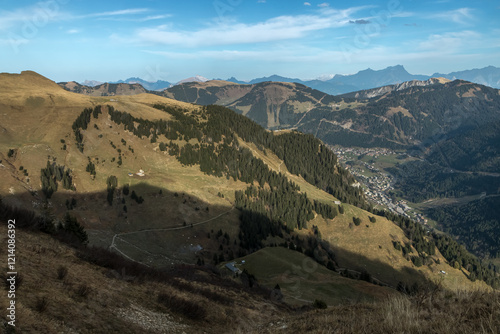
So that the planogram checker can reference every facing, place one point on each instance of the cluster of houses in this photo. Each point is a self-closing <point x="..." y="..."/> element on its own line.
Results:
<point x="379" y="184"/>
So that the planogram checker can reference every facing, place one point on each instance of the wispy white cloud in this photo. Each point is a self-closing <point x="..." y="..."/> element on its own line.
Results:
<point x="450" y="42"/>
<point x="275" y="29"/>
<point x="402" y="14"/>
<point x="130" y="11"/>
<point x="307" y="4"/>
<point x="212" y="54"/>
<point x="73" y="31"/>
<point x="324" y="4"/>
<point x="13" y="42"/>
<point x="44" y="13"/>
<point x="135" y="19"/>
<point x="460" y="16"/>
<point x="154" y="17"/>
<point x="39" y="14"/>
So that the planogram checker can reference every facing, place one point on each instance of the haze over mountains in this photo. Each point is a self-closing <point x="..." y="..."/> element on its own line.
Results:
<point x="367" y="79"/>
<point x="341" y="84"/>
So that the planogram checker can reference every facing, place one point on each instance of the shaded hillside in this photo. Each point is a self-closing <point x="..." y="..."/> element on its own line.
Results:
<point x="63" y="289"/>
<point x="476" y="149"/>
<point x="476" y="224"/>
<point x="89" y="290"/>
<point x="414" y="116"/>
<point x="419" y="181"/>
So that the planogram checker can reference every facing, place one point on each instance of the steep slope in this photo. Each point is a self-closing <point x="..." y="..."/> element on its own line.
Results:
<point x="205" y="93"/>
<point x="411" y="116"/>
<point x="450" y="125"/>
<point x="476" y="224"/>
<point x="63" y="289"/>
<point x="403" y="115"/>
<point x="164" y="182"/>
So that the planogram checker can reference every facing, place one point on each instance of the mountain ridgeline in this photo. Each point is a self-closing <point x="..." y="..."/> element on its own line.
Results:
<point x="405" y="115"/>
<point x="104" y="89"/>
<point x="413" y="116"/>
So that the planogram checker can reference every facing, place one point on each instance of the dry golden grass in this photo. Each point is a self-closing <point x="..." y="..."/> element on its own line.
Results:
<point x="439" y="312"/>
<point x="373" y="242"/>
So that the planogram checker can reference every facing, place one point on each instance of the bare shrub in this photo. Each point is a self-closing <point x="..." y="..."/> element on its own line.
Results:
<point x="187" y="308"/>
<point x="83" y="290"/>
<point x="62" y="271"/>
<point x="41" y="304"/>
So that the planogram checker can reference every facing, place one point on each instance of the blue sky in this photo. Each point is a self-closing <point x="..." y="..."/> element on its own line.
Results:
<point x="171" y="40"/>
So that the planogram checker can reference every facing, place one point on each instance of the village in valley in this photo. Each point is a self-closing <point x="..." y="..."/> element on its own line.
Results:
<point x="367" y="165"/>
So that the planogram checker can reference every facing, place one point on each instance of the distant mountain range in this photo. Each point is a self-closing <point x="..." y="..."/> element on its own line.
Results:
<point x="488" y="76"/>
<point x="368" y="79"/>
<point x="157" y="85"/>
<point x="154" y="86"/>
<point x="340" y="84"/>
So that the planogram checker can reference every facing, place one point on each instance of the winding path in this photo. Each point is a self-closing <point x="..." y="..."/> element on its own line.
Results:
<point x="118" y="235"/>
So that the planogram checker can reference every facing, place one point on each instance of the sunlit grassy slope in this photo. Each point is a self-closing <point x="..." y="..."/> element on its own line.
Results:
<point x="35" y="123"/>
